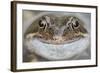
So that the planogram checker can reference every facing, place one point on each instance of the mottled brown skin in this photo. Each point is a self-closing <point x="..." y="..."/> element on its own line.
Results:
<point x="47" y="28"/>
<point x="75" y="33"/>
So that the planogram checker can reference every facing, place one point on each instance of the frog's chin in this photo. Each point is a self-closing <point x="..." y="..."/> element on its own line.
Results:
<point x="57" y="52"/>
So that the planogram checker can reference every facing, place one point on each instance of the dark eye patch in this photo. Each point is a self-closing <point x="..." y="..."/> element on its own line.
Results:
<point x="41" y="24"/>
<point x="77" y="24"/>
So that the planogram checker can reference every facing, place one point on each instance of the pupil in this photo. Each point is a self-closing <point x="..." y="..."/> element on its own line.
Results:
<point x="40" y="23"/>
<point x="77" y="23"/>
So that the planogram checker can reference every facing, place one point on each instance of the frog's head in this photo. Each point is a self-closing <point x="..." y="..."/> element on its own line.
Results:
<point x="57" y="38"/>
<point x="52" y="28"/>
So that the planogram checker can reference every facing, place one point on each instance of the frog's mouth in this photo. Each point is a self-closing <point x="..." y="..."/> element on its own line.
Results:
<point x="57" y="40"/>
<point x="62" y="39"/>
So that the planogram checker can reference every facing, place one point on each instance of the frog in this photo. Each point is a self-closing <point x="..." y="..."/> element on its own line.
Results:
<point x="58" y="30"/>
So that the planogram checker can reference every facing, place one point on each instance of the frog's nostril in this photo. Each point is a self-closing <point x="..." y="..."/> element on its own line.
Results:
<point x="57" y="38"/>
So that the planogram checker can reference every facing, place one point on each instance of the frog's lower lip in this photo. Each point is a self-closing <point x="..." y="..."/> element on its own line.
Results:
<point x="59" y="41"/>
<point x="57" y="52"/>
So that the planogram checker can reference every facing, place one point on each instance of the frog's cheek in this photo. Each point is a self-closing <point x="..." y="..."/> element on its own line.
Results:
<point x="58" y="52"/>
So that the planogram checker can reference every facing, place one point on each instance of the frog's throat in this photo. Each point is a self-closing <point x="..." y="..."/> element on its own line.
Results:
<point x="57" y="52"/>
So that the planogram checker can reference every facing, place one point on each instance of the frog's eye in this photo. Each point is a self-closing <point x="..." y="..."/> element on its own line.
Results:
<point x="42" y="23"/>
<point x="72" y="23"/>
<point x="76" y="24"/>
<point x="45" y="22"/>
